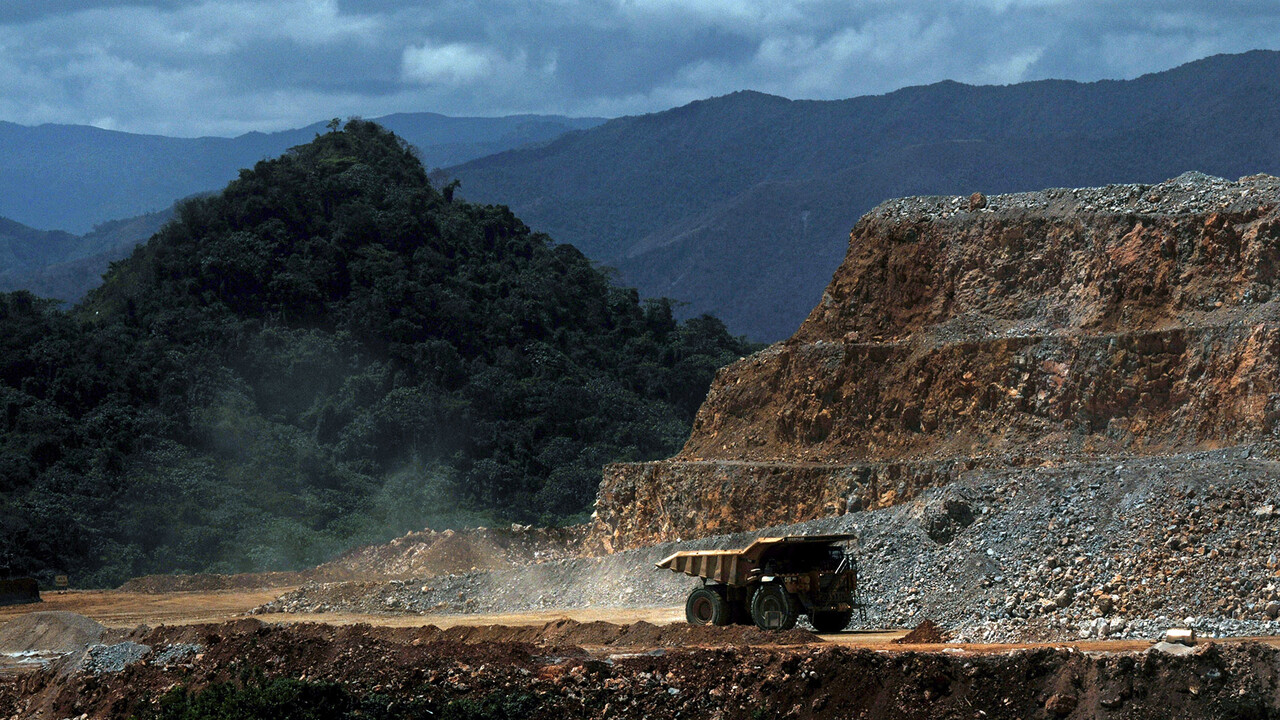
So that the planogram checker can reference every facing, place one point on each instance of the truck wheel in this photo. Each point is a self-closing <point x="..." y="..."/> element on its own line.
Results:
<point x="830" y="621"/>
<point x="773" y="608"/>
<point x="706" y="607"/>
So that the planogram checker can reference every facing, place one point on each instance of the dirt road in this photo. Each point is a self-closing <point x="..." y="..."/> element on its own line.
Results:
<point x="124" y="610"/>
<point x="116" y="609"/>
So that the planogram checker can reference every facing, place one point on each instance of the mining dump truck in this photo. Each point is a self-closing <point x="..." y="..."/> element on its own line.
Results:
<point x="772" y="582"/>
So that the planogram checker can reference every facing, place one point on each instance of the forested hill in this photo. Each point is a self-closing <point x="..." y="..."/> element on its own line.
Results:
<point x="330" y="351"/>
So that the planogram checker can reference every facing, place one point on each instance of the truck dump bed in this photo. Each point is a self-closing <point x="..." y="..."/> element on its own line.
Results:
<point x="740" y="567"/>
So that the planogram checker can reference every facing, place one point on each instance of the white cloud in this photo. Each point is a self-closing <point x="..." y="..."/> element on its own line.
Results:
<point x="453" y="64"/>
<point x="725" y="13"/>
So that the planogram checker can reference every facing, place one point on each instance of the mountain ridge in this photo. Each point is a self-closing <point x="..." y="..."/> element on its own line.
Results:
<point x="626" y="189"/>
<point x="72" y="177"/>
<point x="63" y="266"/>
<point x="739" y="204"/>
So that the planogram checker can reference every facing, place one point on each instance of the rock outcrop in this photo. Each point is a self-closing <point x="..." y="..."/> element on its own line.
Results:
<point x="1028" y="329"/>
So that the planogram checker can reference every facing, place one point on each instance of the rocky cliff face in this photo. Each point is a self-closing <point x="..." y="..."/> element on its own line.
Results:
<point x="1028" y="329"/>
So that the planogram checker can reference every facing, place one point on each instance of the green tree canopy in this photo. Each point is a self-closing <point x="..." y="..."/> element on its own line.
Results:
<point x="328" y="352"/>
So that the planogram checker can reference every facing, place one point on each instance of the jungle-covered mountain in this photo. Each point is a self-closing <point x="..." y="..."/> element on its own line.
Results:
<point x="742" y="205"/>
<point x="74" y="177"/>
<point x="330" y="351"/>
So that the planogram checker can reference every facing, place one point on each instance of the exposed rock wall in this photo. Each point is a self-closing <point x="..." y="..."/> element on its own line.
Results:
<point x="1131" y="258"/>
<point x="1046" y="396"/>
<point x="1021" y="329"/>
<point x="647" y="503"/>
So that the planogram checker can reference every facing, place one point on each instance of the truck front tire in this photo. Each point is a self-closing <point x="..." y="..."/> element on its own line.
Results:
<point x="706" y="607"/>
<point x="773" y="608"/>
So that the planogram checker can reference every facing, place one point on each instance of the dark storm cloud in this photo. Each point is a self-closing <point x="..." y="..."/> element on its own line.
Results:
<point x="1131" y="39"/>
<point x="227" y="66"/>
<point x="324" y="68"/>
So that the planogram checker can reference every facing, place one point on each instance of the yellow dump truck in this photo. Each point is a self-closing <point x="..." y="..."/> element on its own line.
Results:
<point x="772" y="582"/>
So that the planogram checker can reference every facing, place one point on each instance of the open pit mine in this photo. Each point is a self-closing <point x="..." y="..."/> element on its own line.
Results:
<point x="1055" y="328"/>
<point x="1045" y="421"/>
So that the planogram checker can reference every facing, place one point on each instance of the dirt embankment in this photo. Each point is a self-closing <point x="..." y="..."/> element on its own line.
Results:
<point x="1054" y="327"/>
<point x="926" y="633"/>
<point x="412" y="672"/>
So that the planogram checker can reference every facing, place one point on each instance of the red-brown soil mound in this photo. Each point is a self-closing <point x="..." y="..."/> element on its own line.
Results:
<point x="926" y="633"/>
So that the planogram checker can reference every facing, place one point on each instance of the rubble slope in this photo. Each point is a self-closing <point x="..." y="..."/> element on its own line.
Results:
<point x="419" y="554"/>
<point x="1104" y="549"/>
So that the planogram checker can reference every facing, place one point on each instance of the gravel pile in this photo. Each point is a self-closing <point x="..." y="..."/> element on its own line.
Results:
<point x="1188" y="194"/>
<point x="428" y="552"/>
<point x="101" y="659"/>
<point x="1107" y="549"/>
<point x="177" y="654"/>
<point x="1115" y="548"/>
<point x="422" y="553"/>
<point x="926" y="633"/>
<point x="621" y="580"/>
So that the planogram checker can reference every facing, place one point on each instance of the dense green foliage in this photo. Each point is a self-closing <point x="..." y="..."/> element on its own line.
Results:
<point x="328" y="352"/>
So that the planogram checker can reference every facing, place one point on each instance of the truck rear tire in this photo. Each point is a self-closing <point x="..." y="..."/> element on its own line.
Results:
<point x="773" y="608"/>
<point x="706" y="607"/>
<point x="830" y="621"/>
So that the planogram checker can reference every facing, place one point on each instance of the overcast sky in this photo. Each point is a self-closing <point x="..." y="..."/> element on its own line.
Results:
<point x="224" y="67"/>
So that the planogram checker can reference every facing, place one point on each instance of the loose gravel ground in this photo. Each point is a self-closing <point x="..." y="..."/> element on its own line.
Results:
<point x="114" y="658"/>
<point x="1188" y="194"/>
<point x="1112" y="548"/>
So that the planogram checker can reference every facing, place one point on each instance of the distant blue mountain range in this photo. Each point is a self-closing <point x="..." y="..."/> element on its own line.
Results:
<point x="738" y="205"/>
<point x="76" y="182"/>
<point x="742" y="205"/>
<point x="73" y="177"/>
<point x="57" y="264"/>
